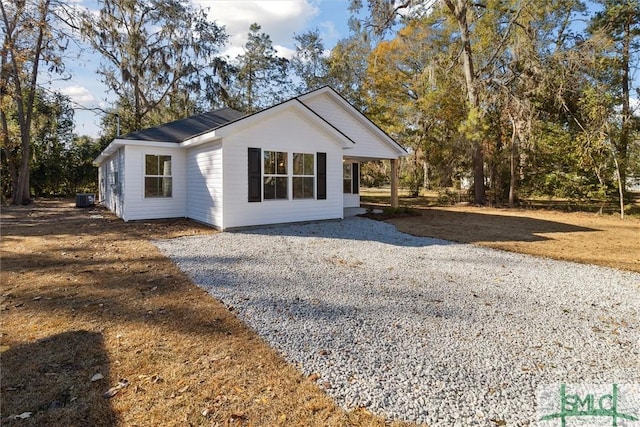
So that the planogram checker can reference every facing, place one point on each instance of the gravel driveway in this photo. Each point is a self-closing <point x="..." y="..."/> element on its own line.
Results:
<point x="421" y="329"/>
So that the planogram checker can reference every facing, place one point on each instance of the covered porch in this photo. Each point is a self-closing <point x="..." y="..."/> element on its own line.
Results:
<point x="351" y="182"/>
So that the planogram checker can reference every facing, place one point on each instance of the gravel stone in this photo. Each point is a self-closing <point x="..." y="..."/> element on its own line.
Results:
<point x="421" y="329"/>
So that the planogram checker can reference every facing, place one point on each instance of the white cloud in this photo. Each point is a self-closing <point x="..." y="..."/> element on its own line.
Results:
<point x="280" y="19"/>
<point x="284" y="51"/>
<point x="328" y="31"/>
<point x="79" y="94"/>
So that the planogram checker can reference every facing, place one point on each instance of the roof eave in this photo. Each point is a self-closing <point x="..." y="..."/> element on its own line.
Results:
<point x="108" y="151"/>
<point x="203" y="138"/>
<point x="117" y="143"/>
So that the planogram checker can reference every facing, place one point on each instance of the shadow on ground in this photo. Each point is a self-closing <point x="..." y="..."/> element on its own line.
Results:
<point x="349" y="229"/>
<point x="51" y="379"/>
<point x="467" y="227"/>
<point x="84" y="292"/>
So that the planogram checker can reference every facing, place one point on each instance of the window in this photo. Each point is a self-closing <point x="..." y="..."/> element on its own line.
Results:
<point x="157" y="176"/>
<point x="347" y="178"/>
<point x="269" y="174"/>
<point x="350" y="178"/>
<point x="275" y="177"/>
<point x="303" y="176"/>
<point x="115" y="187"/>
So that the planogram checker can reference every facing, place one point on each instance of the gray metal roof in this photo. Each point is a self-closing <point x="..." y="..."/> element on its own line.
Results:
<point x="183" y="129"/>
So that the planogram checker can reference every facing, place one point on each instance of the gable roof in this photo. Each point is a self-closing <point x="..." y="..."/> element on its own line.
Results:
<point x="183" y="129"/>
<point x="201" y="128"/>
<point x="293" y="103"/>
<point x="359" y="115"/>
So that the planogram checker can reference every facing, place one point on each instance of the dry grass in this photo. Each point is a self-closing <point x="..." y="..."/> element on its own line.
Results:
<point x="83" y="295"/>
<point x="582" y="237"/>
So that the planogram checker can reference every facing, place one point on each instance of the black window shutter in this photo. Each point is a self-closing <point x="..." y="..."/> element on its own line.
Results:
<point x="322" y="176"/>
<point x="255" y="175"/>
<point x="355" y="181"/>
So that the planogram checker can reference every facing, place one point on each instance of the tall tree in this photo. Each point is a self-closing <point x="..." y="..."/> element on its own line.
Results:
<point x="347" y="68"/>
<point x="411" y="93"/>
<point x="525" y="76"/>
<point x="309" y="63"/>
<point x="31" y="37"/>
<point x="618" y="26"/>
<point x="460" y="9"/>
<point x="155" y="55"/>
<point x="259" y="76"/>
<point x="468" y="16"/>
<point x="52" y="137"/>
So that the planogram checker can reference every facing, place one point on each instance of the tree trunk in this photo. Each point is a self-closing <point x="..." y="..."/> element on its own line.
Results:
<point x="425" y="176"/>
<point x="13" y="172"/>
<point x="623" y="142"/>
<point x="513" y="166"/>
<point x="22" y="195"/>
<point x="25" y="109"/>
<point x="459" y="10"/>
<point x="620" y="184"/>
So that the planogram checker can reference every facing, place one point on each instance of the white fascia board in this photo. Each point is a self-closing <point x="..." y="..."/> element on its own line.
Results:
<point x="200" y="139"/>
<point x="108" y="151"/>
<point x="117" y="143"/>
<point x="159" y="144"/>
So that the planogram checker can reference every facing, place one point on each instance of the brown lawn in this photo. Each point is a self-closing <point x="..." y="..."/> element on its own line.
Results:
<point x="581" y="237"/>
<point x="84" y="293"/>
<point x="584" y="237"/>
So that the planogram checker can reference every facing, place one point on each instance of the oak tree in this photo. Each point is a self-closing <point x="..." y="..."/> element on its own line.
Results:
<point x="155" y="55"/>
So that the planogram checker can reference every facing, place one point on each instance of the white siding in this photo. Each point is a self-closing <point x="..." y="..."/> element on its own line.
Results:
<point x="139" y="207"/>
<point x="111" y="176"/>
<point x="204" y="184"/>
<point x="351" y="200"/>
<point x="288" y="131"/>
<point x="367" y="143"/>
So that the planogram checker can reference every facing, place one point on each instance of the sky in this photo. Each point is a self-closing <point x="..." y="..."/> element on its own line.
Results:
<point x="281" y="19"/>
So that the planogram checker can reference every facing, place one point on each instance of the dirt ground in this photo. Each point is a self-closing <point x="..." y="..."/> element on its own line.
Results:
<point x="88" y="303"/>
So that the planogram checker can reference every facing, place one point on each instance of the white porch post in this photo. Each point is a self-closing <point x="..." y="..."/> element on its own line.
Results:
<point x="394" y="183"/>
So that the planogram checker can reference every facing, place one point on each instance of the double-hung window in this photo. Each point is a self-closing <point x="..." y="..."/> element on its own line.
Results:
<point x="303" y="176"/>
<point x="275" y="176"/>
<point x="158" y="181"/>
<point x="347" y="178"/>
<point x="350" y="178"/>
<point x="270" y="173"/>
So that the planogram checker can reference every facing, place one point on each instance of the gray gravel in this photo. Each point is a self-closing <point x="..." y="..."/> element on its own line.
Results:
<point x="421" y="329"/>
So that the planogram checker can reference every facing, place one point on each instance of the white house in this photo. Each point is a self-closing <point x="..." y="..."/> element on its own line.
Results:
<point x="296" y="161"/>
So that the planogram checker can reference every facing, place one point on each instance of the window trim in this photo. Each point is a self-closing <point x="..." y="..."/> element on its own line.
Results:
<point x="354" y="178"/>
<point x="255" y="175"/>
<point x="302" y="176"/>
<point x="275" y="175"/>
<point x="163" y="176"/>
<point x="350" y="179"/>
